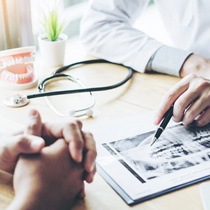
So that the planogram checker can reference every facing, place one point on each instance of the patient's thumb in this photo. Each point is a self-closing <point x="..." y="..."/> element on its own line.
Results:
<point x="34" y="124"/>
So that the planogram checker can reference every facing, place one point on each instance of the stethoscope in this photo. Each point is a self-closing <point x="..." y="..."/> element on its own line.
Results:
<point x="19" y="100"/>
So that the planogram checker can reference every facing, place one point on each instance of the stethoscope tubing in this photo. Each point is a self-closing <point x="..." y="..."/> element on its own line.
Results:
<point x="93" y="61"/>
<point x="57" y="74"/>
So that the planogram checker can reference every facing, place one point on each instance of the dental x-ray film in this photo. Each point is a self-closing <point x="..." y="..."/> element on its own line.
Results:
<point x="138" y="172"/>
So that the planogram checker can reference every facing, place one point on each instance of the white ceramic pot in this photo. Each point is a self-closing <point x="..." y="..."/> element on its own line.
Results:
<point x="52" y="52"/>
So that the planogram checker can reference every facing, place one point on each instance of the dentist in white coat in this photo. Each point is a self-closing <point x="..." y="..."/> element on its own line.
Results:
<point x="107" y="32"/>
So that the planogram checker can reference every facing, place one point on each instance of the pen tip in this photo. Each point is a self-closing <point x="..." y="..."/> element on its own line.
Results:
<point x="153" y="141"/>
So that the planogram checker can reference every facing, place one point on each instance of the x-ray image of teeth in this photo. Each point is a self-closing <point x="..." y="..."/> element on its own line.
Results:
<point x="179" y="147"/>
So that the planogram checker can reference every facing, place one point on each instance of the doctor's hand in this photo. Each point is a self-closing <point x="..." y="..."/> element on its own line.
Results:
<point x="80" y="143"/>
<point x="48" y="180"/>
<point x="191" y="99"/>
<point x="197" y="65"/>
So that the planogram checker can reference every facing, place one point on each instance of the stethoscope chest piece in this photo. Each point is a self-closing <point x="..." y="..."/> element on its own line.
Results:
<point x="16" y="101"/>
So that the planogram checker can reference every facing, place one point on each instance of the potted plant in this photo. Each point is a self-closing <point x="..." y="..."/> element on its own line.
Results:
<point x="52" y="41"/>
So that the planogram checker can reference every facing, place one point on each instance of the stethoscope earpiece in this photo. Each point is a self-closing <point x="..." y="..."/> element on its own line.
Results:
<point x="71" y="113"/>
<point x="77" y="113"/>
<point x="89" y="113"/>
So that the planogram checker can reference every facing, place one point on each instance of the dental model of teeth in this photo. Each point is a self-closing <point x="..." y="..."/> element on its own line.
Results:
<point x="17" y="68"/>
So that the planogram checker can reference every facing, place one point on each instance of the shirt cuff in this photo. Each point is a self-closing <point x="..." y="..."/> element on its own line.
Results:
<point x="168" y="60"/>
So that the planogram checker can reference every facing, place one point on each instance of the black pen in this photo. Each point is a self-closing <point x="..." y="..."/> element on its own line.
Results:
<point x="163" y="125"/>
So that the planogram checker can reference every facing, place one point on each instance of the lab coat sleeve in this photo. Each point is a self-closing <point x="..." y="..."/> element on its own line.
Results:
<point x="107" y="32"/>
<point x="169" y="60"/>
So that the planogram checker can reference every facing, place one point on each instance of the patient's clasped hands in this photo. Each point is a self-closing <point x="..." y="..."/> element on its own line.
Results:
<point x="50" y="162"/>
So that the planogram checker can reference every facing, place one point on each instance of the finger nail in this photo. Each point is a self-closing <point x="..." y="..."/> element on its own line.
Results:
<point x="89" y="178"/>
<point x="77" y="157"/>
<point x="92" y="167"/>
<point x="155" y="121"/>
<point x="33" y="113"/>
<point x="37" y="144"/>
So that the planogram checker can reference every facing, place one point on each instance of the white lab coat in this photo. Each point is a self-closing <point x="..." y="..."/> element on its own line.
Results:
<point x="107" y="31"/>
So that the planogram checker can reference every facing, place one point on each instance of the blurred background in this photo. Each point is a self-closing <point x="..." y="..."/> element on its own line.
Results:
<point x="19" y="23"/>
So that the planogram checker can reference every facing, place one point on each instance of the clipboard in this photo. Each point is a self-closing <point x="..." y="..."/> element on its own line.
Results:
<point x="182" y="157"/>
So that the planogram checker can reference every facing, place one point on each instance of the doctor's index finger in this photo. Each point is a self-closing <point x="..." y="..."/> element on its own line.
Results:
<point x="170" y="98"/>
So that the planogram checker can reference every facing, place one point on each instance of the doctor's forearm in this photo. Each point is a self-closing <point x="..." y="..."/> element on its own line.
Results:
<point x="107" y="32"/>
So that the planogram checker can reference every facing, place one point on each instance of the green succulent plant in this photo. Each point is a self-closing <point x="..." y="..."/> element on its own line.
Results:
<point x="53" y="23"/>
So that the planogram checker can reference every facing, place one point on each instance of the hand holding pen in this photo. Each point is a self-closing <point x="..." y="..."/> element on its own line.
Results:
<point x="163" y="125"/>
